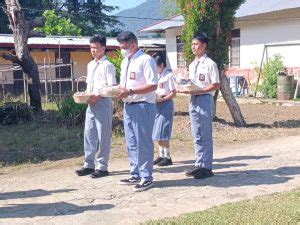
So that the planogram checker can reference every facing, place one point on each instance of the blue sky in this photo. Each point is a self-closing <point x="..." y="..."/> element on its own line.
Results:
<point x="123" y="4"/>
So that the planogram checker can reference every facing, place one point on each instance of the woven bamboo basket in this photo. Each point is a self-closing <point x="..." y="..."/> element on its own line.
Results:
<point x="111" y="92"/>
<point x="81" y="97"/>
<point x="189" y="87"/>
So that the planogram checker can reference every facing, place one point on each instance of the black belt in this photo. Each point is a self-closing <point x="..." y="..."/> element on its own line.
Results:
<point x="202" y="95"/>
<point x="133" y="103"/>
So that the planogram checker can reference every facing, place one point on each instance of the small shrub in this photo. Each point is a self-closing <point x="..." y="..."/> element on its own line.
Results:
<point x="71" y="113"/>
<point x="116" y="59"/>
<point x="268" y="87"/>
<point x="15" y="113"/>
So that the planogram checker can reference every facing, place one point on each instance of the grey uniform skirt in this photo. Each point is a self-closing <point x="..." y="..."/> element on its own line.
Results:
<point x="163" y="121"/>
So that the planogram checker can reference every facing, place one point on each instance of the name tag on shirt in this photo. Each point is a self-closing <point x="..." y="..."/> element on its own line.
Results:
<point x="132" y="76"/>
<point x="201" y="77"/>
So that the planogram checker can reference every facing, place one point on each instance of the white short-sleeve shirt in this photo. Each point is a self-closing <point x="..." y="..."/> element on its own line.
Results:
<point x="204" y="72"/>
<point x="100" y="74"/>
<point x="166" y="83"/>
<point x="138" y="71"/>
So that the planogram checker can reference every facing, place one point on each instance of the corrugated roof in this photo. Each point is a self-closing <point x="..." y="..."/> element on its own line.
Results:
<point x="254" y="7"/>
<point x="79" y="41"/>
<point x="249" y="8"/>
<point x="175" y="21"/>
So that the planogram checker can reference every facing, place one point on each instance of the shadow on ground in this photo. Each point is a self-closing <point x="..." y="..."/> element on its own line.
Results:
<point x="276" y="124"/>
<point x="237" y="178"/>
<point x="47" y="209"/>
<point x="32" y="193"/>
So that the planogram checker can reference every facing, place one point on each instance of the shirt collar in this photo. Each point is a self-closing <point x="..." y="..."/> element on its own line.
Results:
<point x="163" y="73"/>
<point x="135" y="55"/>
<point x="201" y="60"/>
<point x="103" y="58"/>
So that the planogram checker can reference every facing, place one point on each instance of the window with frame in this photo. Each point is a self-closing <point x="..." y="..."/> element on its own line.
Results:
<point x="234" y="53"/>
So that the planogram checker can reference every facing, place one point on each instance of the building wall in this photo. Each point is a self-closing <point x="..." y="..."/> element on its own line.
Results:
<point x="171" y="47"/>
<point x="254" y="35"/>
<point x="80" y="60"/>
<point x="7" y="76"/>
<point x="44" y="58"/>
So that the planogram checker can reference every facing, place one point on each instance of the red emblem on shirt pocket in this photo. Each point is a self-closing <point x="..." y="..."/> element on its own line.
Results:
<point x="161" y="85"/>
<point x="201" y="77"/>
<point x="132" y="76"/>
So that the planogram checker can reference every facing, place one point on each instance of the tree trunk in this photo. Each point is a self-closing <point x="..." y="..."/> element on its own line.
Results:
<point x="22" y="30"/>
<point x="231" y="102"/>
<point x="33" y="86"/>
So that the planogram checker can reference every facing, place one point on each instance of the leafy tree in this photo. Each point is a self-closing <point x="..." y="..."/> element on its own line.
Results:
<point x="55" y="25"/>
<point x="31" y="10"/>
<point x="216" y="18"/>
<point x="22" y="31"/>
<point x="90" y="16"/>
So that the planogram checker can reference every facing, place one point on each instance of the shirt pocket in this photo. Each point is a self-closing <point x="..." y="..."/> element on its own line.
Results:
<point x="203" y="74"/>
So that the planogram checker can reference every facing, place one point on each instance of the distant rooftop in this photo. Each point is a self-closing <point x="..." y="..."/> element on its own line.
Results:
<point x="7" y="40"/>
<point x="249" y="8"/>
<point x="254" y="7"/>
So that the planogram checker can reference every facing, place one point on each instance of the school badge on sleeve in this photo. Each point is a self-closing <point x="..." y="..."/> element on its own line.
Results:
<point x="132" y="76"/>
<point x="201" y="77"/>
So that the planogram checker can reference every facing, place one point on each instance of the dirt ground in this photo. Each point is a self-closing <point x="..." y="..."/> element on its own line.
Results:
<point x="260" y="159"/>
<point x="264" y="121"/>
<point x="47" y="142"/>
<point x="43" y="195"/>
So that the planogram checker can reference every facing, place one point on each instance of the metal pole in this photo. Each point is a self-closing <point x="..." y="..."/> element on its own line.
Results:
<point x="45" y="73"/>
<point x="59" y="82"/>
<point x="260" y="70"/>
<point x="25" y="88"/>
<point x="72" y="75"/>
<point x="3" y="93"/>
<point x="297" y="88"/>
<point x="3" y="82"/>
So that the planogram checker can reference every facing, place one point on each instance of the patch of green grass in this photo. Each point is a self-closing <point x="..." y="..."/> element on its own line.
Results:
<point x="49" y="106"/>
<point x="35" y="142"/>
<point x="279" y="208"/>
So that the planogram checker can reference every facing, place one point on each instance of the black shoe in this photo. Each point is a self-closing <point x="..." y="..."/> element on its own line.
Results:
<point x="143" y="186"/>
<point x="203" y="173"/>
<point x="84" y="171"/>
<point x="193" y="171"/>
<point x="129" y="181"/>
<point x="165" y="162"/>
<point x="157" y="160"/>
<point x="99" y="173"/>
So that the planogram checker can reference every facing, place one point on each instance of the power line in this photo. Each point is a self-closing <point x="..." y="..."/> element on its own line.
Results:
<point x="92" y="15"/>
<point x="141" y="18"/>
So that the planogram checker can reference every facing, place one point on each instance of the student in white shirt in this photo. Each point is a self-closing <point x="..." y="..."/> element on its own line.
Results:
<point x="165" y="93"/>
<point x="137" y="89"/>
<point x="98" y="120"/>
<point x="204" y="73"/>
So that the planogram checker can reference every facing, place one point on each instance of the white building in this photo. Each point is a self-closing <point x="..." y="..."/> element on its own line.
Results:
<point x="262" y="29"/>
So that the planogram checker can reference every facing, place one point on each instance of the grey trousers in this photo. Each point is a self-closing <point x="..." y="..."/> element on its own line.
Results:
<point x="138" y="124"/>
<point x="201" y="113"/>
<point x="97" y="134"/>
